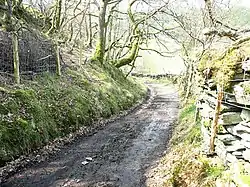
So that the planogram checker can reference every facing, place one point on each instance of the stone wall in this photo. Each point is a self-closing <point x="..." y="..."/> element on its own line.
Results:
<point x="233" y="138"/>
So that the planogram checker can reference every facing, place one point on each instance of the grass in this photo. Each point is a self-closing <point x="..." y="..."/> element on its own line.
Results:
<point x="184" y="164"/>
<point x="37" y="112"/>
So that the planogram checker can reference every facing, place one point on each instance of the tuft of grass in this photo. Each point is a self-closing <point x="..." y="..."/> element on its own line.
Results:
<point x="37" y="112"/>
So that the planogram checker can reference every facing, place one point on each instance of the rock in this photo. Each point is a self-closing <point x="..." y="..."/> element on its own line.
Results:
<point x="89" y="159"/>
<point x="220" y="149"/>
<point x="246" y="155"/>
<point x="246" y="124"/>
<point x="210" y="99"/>
<point x="231" y="158"/>
<point x="240" y="131"/>
<point x="85" y="162"/>
<point x="227" y="138"/>
<point x="235" y="146"/>
<point x="206" y="139"/>
<point x="246" y="65"/>
<point x="240" y="95"/>
<point x="246" y="144"/>
<point x="242" y="128"/>
<point x="245" y="115"/>
<point x="206" y="111"/>
<point x="230" y="118"/>
<point x="237" y="153"/>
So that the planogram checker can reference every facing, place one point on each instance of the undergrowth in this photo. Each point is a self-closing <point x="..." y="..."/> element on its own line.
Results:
<point x="34" y="113"/>
<point x="185" y="165"/>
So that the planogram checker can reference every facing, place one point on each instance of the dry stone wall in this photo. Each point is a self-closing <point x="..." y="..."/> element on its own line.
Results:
<point x="233" y="139"/>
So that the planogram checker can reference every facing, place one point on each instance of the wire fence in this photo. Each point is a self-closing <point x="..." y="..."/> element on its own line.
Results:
<point x="36" y="55"/>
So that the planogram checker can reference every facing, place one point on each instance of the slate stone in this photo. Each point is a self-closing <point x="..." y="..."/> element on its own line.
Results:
<point x="231" y="158"/>
<point x="240" y="96"/>
<point x="246" y="155"/>
<point x="235" y="146"/>
<point x="230" y="118"/>
<point x="239" y="130"/>
<point x="227" y="138"/>
<point x="237" y="153"/>
<point x="245" y="115"/>
<point x="246" y="144"/>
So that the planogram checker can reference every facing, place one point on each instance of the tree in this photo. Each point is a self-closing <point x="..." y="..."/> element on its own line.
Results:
<point x="11" y="25"/>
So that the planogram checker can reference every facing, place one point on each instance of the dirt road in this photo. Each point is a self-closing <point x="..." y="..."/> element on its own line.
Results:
<point x="119" y="155"/>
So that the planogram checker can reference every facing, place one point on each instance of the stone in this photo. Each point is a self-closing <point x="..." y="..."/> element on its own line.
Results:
<point x="247" y="124"/>
<point x="237" y="153"/>
<point x="220" y="149"/>
<point x="235" y="146"/>
<point x="230" y="118"/>
<point x="245" y="115"/>
<point x="227" y="138"/>
<point x="85" y="162"/>
<point x="211" y="101"/>
<point x="246" y="144"/>
<point x="240" y="131"/>
<point x="246" y="155"/>
<point x="231" y="158"/>
<point x="89" y="159"/>
<point x="242" y="128"/>
<point x="240" y="96"/>
<point x="206" y="111"/>
<point x="246" y="65"/>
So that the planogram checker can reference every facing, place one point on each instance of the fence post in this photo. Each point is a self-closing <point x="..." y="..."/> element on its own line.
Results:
<point x="215" y="124"/>
<point x="16" y="56"/>
<point x="58" y="61"/>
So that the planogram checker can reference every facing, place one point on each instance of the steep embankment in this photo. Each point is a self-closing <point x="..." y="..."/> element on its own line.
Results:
<point x="118" y="155"/>
<point x="36" y="112"/>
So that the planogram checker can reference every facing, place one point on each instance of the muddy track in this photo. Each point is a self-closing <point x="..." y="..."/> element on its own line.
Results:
<point x="121" y="153"/>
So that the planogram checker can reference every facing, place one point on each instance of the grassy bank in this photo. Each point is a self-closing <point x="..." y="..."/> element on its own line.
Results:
<point x="39" y="111"/>
<point x="184" y="164"/>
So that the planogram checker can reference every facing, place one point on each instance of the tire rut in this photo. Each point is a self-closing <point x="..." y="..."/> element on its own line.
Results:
<point x="121" y="153"/>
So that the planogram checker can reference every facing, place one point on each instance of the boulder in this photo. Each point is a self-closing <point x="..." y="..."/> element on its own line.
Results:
<point x="230" y="118"/>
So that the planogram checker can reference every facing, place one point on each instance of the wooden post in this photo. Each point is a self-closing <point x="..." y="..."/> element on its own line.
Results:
<point x="16" y="57"/>
<point x="58" y="60"/>
<point x="216" y="119"/>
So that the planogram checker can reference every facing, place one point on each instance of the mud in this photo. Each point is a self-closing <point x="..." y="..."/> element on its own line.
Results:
<point x="120" y="155"/>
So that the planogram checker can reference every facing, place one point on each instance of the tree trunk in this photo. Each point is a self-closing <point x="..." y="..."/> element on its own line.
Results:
<point x="100" y="45"/>
<point x="90" y="34"/>
<point x="16" y="57"/>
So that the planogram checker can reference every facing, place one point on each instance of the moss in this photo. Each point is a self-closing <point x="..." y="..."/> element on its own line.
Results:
<point x="99" y="53"/>
<point x="223" y="69"/>
<point x="37" y="112"/>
